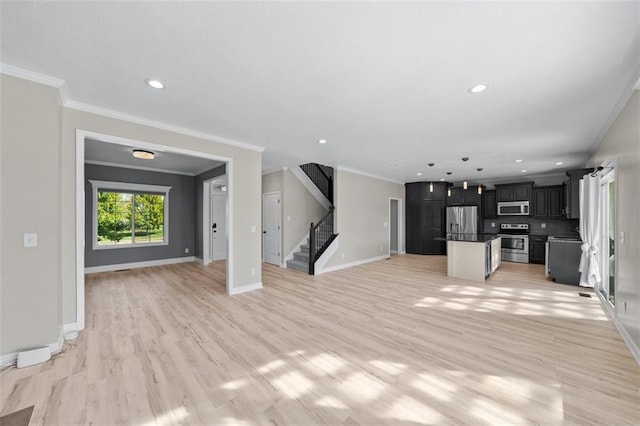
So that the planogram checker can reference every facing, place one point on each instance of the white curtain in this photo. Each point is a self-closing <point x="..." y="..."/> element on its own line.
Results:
<point x="589" y="230"/>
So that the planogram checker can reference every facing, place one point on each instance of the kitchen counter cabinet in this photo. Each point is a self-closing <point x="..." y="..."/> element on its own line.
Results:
<point x="473" y="259"/>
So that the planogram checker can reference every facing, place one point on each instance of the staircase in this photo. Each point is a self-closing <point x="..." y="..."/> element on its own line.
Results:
<point x="321" y="234"/>
<point x="300" y="260"/>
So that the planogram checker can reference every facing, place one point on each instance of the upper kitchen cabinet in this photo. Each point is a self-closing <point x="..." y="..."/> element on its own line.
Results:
<point x="465" y="197"/>
<point x="548" y="201"/>
<point x="572" y="192"/>
<point x="514" y="192"/>
<point x="490" y="207"/>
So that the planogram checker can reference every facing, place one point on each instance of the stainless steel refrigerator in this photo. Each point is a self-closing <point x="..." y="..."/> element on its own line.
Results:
<point x="462" y="220"/>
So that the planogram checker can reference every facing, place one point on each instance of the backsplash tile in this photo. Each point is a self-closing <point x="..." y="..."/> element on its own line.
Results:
<point x="553" y="226"/>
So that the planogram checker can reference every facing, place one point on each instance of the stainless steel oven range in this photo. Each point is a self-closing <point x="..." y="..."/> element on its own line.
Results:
<point x="515" y="242"/>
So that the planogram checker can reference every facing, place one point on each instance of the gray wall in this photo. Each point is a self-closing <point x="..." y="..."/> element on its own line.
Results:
<point x="622" y="143"/>
<point x="199" y="180"/>
<point x="181" y="216"/>
<point x="30" y="283"/>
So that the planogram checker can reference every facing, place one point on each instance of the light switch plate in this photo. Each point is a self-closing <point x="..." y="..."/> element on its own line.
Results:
<point x="30" y="240"/>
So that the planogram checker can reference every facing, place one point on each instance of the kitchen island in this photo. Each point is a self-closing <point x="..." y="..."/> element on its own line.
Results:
<point x="473" y="256"/>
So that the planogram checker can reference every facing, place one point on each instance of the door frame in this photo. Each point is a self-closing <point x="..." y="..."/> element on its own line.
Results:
<point x="279" y="225"/>
<point x="206" y="219"/>
<point x="399" y="227"/>
<point x="607" y="176"/>
<point x="81" y="135"/>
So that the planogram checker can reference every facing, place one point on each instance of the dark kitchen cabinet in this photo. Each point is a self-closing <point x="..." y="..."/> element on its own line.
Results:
<point x="490" y="205"/>
<point x="537" y="248"/>
<point x="465" y="197"/>
<point x="514" y="192"/>
<point x="425" y="212"/>
<point x="572" y="193"/>
<point x="548" y="201"/>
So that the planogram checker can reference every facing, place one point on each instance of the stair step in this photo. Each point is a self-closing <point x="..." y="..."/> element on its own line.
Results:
<point x="304" y="248"/>
<point x="298" y="265"/>
<point x="303" y="256"/>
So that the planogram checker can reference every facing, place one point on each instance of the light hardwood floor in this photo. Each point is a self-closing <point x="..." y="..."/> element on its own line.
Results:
<point x="391" y="342"/>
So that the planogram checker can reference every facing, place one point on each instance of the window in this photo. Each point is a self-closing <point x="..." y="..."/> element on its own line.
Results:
<point x="129" y="215"/>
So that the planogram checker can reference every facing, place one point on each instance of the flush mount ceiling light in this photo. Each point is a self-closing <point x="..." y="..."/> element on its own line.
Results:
<point x="518" y="161"/>
<point x="559" y="163"/>
<point x="322" y="141"/>
<point x="143" y="155"/>
<point x="478" y="88"/>
<point x="154" y="83"/>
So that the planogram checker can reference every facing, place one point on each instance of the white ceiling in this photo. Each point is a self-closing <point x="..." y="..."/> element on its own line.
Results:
<point x="384" y="82"/>
<point x="122" y="155"/>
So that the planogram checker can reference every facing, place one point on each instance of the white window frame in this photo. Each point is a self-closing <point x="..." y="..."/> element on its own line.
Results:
<point x="101" y="185"/>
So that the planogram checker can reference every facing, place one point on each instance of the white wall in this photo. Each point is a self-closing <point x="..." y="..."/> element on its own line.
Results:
<point x="622" y="143"/>
<point x="30" y="281"/>
<point x="362" y="208"/>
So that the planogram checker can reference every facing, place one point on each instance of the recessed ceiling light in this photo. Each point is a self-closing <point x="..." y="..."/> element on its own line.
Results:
<point x="518" y="161"/>
<point x="523" y="171"/>
<point x="155" y="84"/>
<point x="419" y="174"/>
<point x="143" y="155"/>
<point x="478" y="88"/>
<point x="559" y="163"/>
<point x="322" y="141"/>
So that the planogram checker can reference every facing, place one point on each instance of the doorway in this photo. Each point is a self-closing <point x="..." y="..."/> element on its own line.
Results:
<point x="395" y="226"/>
<point x="271" y="227"/>
<point x="81" y="219"/>
<point x="218" y="222"/>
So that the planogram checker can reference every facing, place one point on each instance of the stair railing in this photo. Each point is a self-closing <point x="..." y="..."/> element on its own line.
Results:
<point x="320" y="236"/>
<point x="320" y="178"/>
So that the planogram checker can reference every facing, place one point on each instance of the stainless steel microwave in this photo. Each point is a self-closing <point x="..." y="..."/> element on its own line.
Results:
<point x="513" y="208"/>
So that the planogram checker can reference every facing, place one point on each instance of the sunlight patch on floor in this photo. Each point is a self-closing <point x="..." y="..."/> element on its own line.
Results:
<point x="331" y="402"/>
<point x="293" y="384"/>
<point x="409" y="410"/>
<point x="327" y="363"/>
<point x="494" y="413"/>
<point x="361" y="388"/>
<point x="271" y="366"/>
<point x="235" y="384"/>
<point x="434" y="386"/>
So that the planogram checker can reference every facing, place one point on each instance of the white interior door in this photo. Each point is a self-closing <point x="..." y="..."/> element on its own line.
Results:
<point x="218" y="225"/>
<point x="271" y="227"/>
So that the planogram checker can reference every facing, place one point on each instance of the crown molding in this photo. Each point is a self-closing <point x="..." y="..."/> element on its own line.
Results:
<point x="79" y="106"/>
<point x="36" y="77"/>
<point x="358" y="172"/>
<point x="61" y="85"/>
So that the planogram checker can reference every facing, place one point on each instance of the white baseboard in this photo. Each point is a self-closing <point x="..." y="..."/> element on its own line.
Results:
<point x="132" y="265"/>
<point x="402" y="252"/>
<point x="245" y="288"/>
<point x="199" y="260"/>
<point x="351" y="264"/>
<point x="67" y="332"/>
<point x="635" y="351"/>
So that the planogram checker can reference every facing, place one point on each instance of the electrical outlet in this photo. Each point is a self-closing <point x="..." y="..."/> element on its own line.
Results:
<point x="493" y="224"/>
<point x="30" y="240"/>
<point x="186" y="250"/>
<point x="544" y="225"/>
<point x="253" y="229"/>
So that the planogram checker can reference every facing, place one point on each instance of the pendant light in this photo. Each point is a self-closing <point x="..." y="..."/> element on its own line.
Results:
<point x="430" y="186"/>
<point x="464" y="185"/>
<point x="449" y="192"/>
<point x="479" y="189"/>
